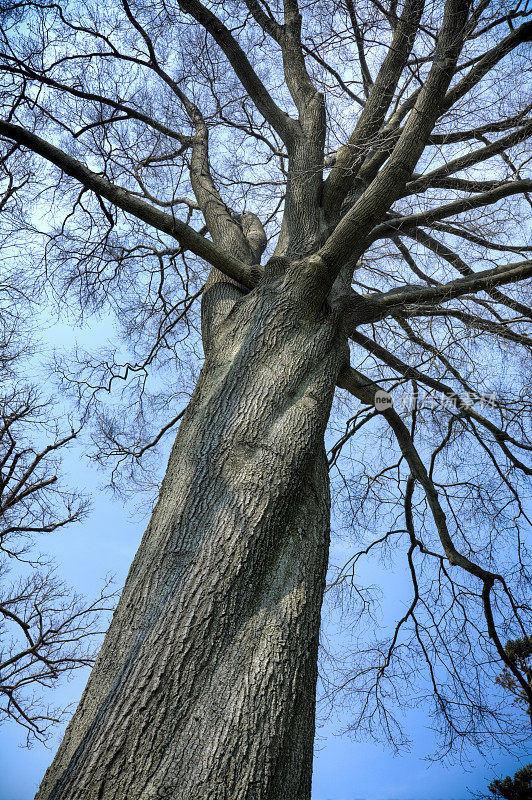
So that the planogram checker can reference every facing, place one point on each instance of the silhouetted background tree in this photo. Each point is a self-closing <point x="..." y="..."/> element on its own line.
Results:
<point x="517" y="788"/>
<point x="520" y="786"/>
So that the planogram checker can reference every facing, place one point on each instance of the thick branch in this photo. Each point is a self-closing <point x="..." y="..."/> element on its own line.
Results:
<point x="398" y="224"/>
<point x="350" y="157"/>
<point x="476" y="282"/>
<point x="470" y="159"/>
<point x="278" y="119"/>
<point x="487" y="62"/>
<point x="183" y="233"/>
<point x="297" y="78"/>
<point x="388" y="185"/>
<point x="441" y="250"/>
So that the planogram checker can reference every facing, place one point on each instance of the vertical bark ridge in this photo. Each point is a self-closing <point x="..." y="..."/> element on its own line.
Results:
<point x="212" y="651"/>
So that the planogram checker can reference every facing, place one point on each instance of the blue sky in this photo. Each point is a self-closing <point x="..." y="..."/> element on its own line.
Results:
<point x="344" y="769"/>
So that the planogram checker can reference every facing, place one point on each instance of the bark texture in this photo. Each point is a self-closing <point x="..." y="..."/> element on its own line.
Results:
<point x="205" y="685"/>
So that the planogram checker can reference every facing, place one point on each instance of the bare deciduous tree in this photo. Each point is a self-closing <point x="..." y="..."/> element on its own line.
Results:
<point x="46" y="631"/>
<point x="329" y="178"/>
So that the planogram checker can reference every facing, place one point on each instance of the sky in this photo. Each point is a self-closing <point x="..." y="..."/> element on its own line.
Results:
<point x="344" y="769"/>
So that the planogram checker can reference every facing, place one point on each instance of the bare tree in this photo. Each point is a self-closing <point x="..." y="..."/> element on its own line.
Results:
<point x="46" y="631"/>
<point x="345" y="187"/>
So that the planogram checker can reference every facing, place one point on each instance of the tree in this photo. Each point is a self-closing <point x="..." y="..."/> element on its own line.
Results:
<point x="519" y="652"/>
<point x="520" y="786"/>
<point x="517" y="788"/>
<point x="46" y="631"/>
<point x="352" y="176"/>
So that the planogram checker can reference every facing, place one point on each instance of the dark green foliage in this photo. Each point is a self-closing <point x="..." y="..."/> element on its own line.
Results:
<point x="519" y="648"/>
<point x="517" y="788"/>
<point x="519" y="652"/>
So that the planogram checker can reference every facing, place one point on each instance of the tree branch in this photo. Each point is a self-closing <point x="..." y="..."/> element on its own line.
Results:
<point x="414" y="295"/>
<point x="172" y="226"/>
<point x="351" y="155"/>
<point x="397" y="224"/>
<point x="389" y="183"/>
<point x="278" y="119"/>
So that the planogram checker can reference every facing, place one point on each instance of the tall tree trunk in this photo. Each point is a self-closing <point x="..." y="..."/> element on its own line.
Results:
<point x="205" y="685"/>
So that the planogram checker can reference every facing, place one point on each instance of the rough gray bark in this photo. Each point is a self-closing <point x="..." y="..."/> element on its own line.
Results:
<point x="205" y="686"/>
